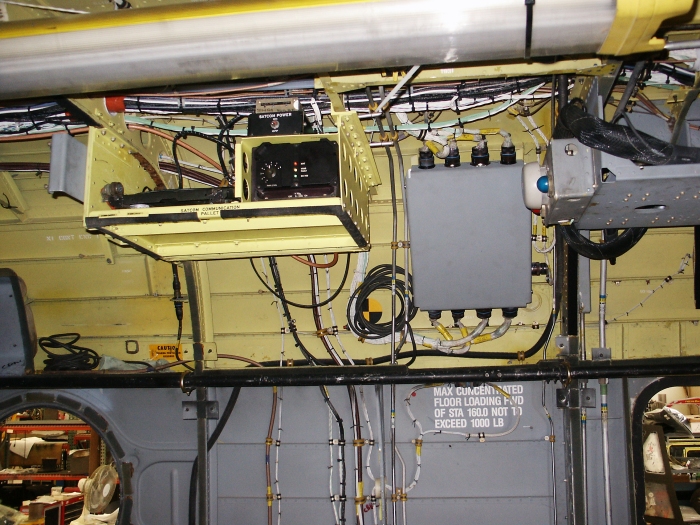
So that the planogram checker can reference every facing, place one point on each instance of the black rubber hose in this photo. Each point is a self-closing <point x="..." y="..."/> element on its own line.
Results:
<point x="192" y="509"/>
<point x="623" y="141"/>
<point x="611" y="249"/>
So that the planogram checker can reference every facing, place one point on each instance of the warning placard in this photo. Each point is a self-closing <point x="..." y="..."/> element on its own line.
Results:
<point x="164" y="352"/>
<point x="476" y="408"/>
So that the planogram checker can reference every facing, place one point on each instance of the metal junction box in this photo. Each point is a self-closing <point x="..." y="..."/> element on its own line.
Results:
<point x="470" y="237"/>
<point x="596" y="190"/>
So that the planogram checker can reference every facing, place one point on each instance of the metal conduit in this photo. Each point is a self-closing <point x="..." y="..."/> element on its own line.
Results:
<point x="225" y="40"/>
<point x="552" y="370"/>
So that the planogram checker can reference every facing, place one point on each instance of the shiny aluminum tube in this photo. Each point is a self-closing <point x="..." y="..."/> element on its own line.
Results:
<point x="224" y="40"/>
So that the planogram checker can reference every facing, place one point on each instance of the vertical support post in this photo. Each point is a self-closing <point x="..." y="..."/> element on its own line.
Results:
<point x="193" y="279"/>
<point x="94" y="456"/>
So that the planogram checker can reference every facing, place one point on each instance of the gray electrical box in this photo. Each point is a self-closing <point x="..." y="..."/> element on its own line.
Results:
<point x="470" y="237"/>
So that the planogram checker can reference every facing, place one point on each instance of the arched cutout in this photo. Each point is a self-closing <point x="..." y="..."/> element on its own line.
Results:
<point x="640" y="405"/>
<point x="63" y="401"/>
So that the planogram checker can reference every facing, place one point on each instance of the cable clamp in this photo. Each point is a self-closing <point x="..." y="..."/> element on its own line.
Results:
<point x="568" y="375"/>
<point x="521" y="356"/>
<point x="284" y="330"/>
<point x="269" y="442"/>
<point x="290" y="362"/>
<point x="397" y="497"/>
<point x="361" y="339"/>
<point x="371" y="442"/>
<point x="360" y="500"/>
<point x="185" y="390"/>
<point x="404" y="496"/>
<point x="270" y="498"/>
<point x="333" y="330"/>
<point x="278" y="443"/>
<point x="394" y="245"/>
<point x="551" y="438"/>
<point x="358" y="443"/>
<point x="278" y="496"/>
<point x="373" y="106"/>
<point x="482" y="437"/>
<point x="369" y="361"/>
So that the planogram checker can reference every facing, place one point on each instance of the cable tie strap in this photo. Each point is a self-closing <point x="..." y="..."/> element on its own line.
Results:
<point x="529" y="5"/>
<point x="358" y="443"/>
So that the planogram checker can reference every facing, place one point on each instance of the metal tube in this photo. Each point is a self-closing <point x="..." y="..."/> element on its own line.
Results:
<point x="552" y="370"/>
<point x="379" y="391"/>
<point x="222" y="40"/>
<point x="604" y="394"/>
<point x="584" y="418"/>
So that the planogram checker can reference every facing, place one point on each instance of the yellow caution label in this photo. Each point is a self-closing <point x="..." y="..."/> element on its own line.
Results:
<point x="164" y="351"/>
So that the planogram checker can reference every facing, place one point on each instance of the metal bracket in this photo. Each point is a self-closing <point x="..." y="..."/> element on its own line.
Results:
<point x="601" y="354"/>
<point x="576" y="398"/>
<point x="209" y="352"/>
<point x="567" y="344"/>
<point x="132" y="346"/>
<point x="189" y="409"/>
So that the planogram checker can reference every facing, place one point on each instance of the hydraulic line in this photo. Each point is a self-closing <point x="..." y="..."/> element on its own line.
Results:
<point x="584" y="418"/>
<point x="268" y="443"/>
<point x="394" y="245"/>
<point x="603" y="382"/>
<point x="357" y="432"/>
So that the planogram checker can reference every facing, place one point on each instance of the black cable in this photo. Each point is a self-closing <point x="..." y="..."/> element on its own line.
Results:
<point x="341" y="450"/>
<point x="380" y="278"/>
<point x="192" y="508"/>
<point x="308" y="306"/>
<point x="621" y="141"/>
<point x="225" y="127"/>
<point x="192" y="133"/>
<point x="178" y="300"/>
<point x="77" y="358"/>
<point x="274" y="270"/>
<point x="611" y="249"/>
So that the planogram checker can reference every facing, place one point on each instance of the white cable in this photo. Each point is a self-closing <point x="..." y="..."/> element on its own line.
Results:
<point x="408" y="76"/>
<point x="533" y="136"/>
<point x="538" y="130"/>
<point x="422" y="432"/>
<point x="334" y="324"/>
<point x="334" y="503"/>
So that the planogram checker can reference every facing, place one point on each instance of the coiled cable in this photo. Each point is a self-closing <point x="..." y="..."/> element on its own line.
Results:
<point x="76" y="358"/>
<point x="379" y="278"/>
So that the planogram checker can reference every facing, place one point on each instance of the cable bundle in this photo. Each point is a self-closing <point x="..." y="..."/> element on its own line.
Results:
<point x="77" y="358"/>
<point x="379" y="278"/>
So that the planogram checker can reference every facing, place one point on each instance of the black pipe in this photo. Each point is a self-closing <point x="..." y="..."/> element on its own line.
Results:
<point x="550" y="370"/>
